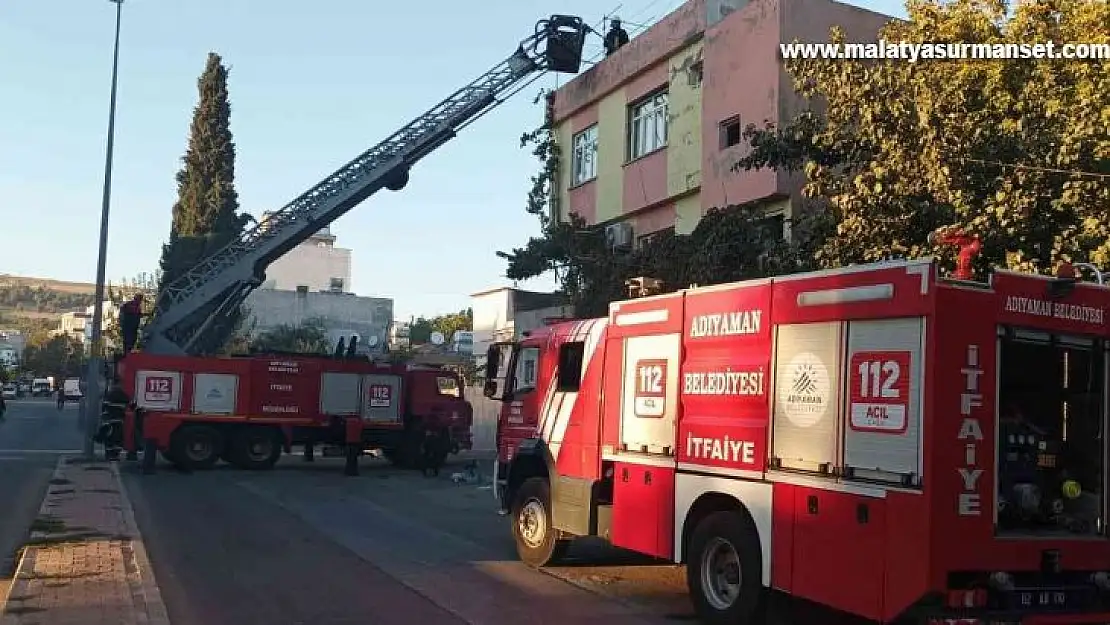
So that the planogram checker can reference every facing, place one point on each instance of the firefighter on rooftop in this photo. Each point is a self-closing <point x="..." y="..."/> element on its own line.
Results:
<point x="616" y="37"/>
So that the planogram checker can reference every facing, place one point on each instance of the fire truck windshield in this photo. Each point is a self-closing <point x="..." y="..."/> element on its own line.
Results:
<point x="1052" y="442"/>
<point x="524" y="375"/>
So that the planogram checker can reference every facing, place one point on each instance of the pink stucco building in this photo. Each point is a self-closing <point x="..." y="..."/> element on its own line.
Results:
<point x="648" y="134"/>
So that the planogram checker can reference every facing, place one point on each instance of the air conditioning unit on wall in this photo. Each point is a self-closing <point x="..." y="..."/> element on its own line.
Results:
<point x="619" y="236"/>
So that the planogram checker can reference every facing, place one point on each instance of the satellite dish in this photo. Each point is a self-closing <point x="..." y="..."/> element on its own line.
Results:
<point x="437" y="338"/>
<point x="372" y="340"/>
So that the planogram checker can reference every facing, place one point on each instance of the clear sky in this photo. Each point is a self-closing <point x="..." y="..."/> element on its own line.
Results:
<point x="312" y="85"/>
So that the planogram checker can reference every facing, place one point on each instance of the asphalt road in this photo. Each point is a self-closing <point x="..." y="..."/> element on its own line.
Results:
<point x="32" y="436"/>
<point x="304" y="544"/>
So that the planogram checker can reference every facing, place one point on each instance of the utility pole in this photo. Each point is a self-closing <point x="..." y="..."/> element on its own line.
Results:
<point x="90" y="409"/>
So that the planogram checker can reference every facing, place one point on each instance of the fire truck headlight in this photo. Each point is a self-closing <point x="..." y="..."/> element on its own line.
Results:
<point x="1002" y="581"/>
<point x="1101" y="580"/>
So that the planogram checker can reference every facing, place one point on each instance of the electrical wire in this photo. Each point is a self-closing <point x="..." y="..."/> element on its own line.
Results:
<point x="1048" y="170"/>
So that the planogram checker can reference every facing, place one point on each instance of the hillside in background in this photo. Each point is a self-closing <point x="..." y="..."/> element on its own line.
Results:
<point x="31" y="303"/>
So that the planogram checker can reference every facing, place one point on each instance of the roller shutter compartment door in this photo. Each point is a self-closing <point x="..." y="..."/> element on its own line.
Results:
<point x="806" y="421"/>
<point x="882" y="440"/>
<point x="215" y="393"/>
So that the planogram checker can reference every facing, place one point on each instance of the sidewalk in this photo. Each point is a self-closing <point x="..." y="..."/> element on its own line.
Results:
<point x="84" y="563"/>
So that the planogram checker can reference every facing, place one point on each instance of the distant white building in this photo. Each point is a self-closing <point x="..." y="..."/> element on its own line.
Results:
<point x="78" y="325"/>
<point x="12" y="342"/>
<point x="9" y="357"/>
<point x="399" y="335"/>
<point x="462" y="342"/>
<point x="313" y="280"/>
<point x="317" y="264"/>
<point x="505" y="314"/>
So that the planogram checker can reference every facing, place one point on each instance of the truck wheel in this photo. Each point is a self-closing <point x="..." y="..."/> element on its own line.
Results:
<point x="724" y="569"/>
<point x="537" y="542"/>
<point x="196" y="447"/>
<point x="255" y="449"/>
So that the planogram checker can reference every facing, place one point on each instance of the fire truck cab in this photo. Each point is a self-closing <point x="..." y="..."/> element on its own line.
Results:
<point x="869" y="444"/>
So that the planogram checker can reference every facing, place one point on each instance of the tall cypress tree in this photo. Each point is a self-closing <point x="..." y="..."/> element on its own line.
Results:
<point x="206" y="215"/>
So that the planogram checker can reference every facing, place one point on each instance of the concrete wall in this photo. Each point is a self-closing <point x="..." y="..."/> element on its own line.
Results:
<point x="492" y="312"/>
<point x="743" y="44"/>
<point x="343" y="313"/>
<point x="810" y="21"/>
<point x="685" y="141"/>
<point x="486" y="412"/>
<point x="310" y="265"/>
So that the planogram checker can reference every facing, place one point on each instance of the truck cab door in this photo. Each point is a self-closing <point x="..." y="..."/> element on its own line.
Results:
<point x="513" y="379"/>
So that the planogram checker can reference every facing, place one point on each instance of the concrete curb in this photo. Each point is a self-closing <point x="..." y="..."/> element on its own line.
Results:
<point x="27" y="558"/>
<point x="146" y="591"/>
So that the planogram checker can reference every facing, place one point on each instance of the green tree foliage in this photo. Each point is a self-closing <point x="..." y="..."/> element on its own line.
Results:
<point x="420" y="332"/>
<point x="309" y="337"/>
<point x="730" y="243"/>
<point x="449" y="324"/>
<point x="206" y="215"/>
<point x="1014" y="151"/>
<point x="60" y="356"/>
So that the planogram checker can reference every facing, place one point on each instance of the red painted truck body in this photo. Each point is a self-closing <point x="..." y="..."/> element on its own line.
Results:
<point x="853" y="436"/>
<point x="295" y="400"/>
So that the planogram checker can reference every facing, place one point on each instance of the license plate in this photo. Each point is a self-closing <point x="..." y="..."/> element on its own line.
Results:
<point x="1048" y="598"/>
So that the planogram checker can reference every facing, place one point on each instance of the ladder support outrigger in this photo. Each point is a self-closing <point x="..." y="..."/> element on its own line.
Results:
<point x="187" y="307"/>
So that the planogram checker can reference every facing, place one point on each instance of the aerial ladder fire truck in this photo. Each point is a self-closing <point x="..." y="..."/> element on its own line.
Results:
<point x="873" y="444"/>
<point x="197" y="410"/>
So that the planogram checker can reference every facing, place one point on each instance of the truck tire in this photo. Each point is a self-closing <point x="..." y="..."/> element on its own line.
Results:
<point x="196" y="447"/>
<point x="254" y="449"/>
<point x="538" y="544"/>
<point x="724" y="569"/>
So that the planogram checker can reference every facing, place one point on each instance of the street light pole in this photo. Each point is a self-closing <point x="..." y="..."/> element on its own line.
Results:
<point x="95" y="370"/>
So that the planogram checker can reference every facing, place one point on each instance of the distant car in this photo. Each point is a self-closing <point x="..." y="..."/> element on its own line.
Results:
<point x="10" y="391"/>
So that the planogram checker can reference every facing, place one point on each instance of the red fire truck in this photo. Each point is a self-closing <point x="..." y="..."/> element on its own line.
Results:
<point x="196" y="411"/>
<point x="874" y="443"/>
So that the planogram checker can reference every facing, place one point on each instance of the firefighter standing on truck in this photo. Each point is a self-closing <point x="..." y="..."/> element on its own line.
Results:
<point x="130" y="315"/>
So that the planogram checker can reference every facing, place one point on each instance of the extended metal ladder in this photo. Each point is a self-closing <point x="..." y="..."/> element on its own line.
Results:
<point x="187" y="307"/>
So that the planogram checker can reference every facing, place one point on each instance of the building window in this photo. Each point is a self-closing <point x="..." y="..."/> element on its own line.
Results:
<point x="730" y="132"/>
<point x="647" y="127"/>
<point x="648" y="239"/>
<point x="336" y="285"/>
<point x="773" y="227"/>
<point x="584" y="166"/>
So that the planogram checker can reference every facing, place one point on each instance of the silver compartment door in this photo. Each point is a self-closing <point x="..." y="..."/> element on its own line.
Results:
<point x="806" y="420"/>
<point x="341" y="394"/>
<point x="158" y="390"/>
<point x="885" y="374"/>
<point x="214" y="393"/>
